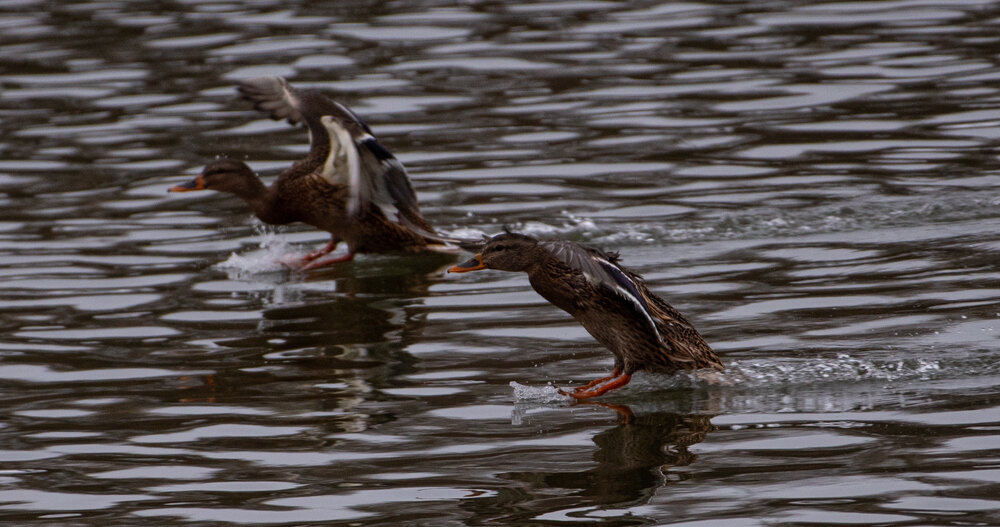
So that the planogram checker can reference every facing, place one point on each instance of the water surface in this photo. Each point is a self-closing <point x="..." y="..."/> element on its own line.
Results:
<point x="815" y="184"/>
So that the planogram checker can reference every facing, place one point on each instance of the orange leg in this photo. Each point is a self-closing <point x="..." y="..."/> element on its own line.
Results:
<point x="312" y="260"/>
<point x="622" y="380"/>
<point x="329" y="248"/>
<point x="616" y="372"/>
<point x="322" y="263"/>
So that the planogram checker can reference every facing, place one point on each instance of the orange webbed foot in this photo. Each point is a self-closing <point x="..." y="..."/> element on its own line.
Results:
<point x="601" y="389"/>
<point x="312" y="260"/>
<point x="329" y="261"/>
<point x="615" y="373"/>
<point x="327" y="249"/>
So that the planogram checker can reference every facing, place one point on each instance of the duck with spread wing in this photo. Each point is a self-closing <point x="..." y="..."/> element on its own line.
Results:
<point x="348" y="185"/>
<point x="641" y="330"/>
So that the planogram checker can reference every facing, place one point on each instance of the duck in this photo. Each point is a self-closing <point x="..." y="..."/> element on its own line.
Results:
<point x="348" y="184"/>
<point x="613" y="303"/>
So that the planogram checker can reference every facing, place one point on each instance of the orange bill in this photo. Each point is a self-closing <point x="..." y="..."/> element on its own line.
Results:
<point x="473" y="264"/>
<point x="197" y="183"/>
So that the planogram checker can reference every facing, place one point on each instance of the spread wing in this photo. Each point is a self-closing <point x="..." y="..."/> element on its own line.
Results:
<point x="373" y="175"/>
<point x="279" y="100"/>
<point x="342" y="147"/>
<point x="603" y="270"/>
<point x="383" y="180"/>
<point x="273" y="96"/>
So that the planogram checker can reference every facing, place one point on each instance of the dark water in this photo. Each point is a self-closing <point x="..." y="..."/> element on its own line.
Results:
<point x="815" y="184"/>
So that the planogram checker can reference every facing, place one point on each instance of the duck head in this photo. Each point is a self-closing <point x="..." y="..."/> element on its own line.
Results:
<point x="224" y="175"/>
<point x="508" y="251"/>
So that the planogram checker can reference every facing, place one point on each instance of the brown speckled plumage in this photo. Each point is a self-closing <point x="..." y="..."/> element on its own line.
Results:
<point x="312" y="200"/>
<point x="642" y="331"/>
<point x="348" y="185"/>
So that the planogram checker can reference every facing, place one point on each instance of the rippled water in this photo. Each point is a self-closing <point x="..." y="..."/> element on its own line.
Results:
<point x="815" y="184"/>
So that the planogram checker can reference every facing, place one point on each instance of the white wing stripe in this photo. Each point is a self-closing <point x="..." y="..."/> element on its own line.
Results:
<point x="289" y="95"/>
<point x="354" y="171"/>
<point x="344" y="166"/>
<point x="335" y="155"/>
<point x="627" y="295"/>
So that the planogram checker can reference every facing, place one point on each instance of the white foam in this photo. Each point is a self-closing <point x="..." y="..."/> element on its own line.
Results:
<point x="538" y="229"/>
<point x="464" y="232"/>
<point x="763" y="373"/>
<point x="255" y="262"/>
<point x="843" y="368"/>
<point x="537" y="394"/>
<point x="574" y="227"/>
<point x="757" y="223"/>
<point x="573" y="224"/>
<point x="272" y="246"/>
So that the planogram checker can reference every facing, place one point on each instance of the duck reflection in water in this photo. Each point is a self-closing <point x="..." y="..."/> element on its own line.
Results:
<point x="367" y="305"/>
<point x="634" y="458"/>
<point x="349" y="324"/>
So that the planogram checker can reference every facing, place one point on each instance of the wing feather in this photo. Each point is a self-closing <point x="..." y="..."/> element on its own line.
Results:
<point x="273" y="96"/>
<point x="371" y="173"/>
<point x="342" y="147"/>
<point x="683" y="341"/>
<point x="390" y="178"/>
<point x="602" y="270"/>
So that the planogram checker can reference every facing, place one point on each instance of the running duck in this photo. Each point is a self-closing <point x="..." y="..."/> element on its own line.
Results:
<point x="348" y="185"/>
<point x="613" y="303"/>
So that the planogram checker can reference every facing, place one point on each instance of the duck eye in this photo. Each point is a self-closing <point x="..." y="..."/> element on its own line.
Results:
<point x="499" y="247"/>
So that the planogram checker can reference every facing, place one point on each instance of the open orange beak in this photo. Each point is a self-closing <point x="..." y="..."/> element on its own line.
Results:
<point x="473" y="264"/>
<point x="198" y="183"/>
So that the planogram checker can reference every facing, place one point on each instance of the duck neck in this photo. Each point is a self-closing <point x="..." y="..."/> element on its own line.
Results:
<point x="538" y="264"/>
<point x="544" y="275"/>
<point x="261" y="199"/>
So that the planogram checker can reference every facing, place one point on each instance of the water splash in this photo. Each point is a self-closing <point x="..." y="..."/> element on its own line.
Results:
<point x="843" y="383"/>
<point x="835" y="217"/>
<point x="769" y="373"/>
<point x="464" y="232"/>
<point x="841" y="369"/>
<point x="538" y="394"/>
<point x="573" y="226"/>
<point x="272" y="247"/>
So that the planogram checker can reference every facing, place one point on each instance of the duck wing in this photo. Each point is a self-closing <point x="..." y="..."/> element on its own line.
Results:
<point x="602" y="270"/>
<point x="669" y="326"/>
<point x="342" y="147"/>
<point x="384" y="182"/>
<point x="373" y="175"/>
<point x="275" y="97"/>
<point x="684" y="339"/>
